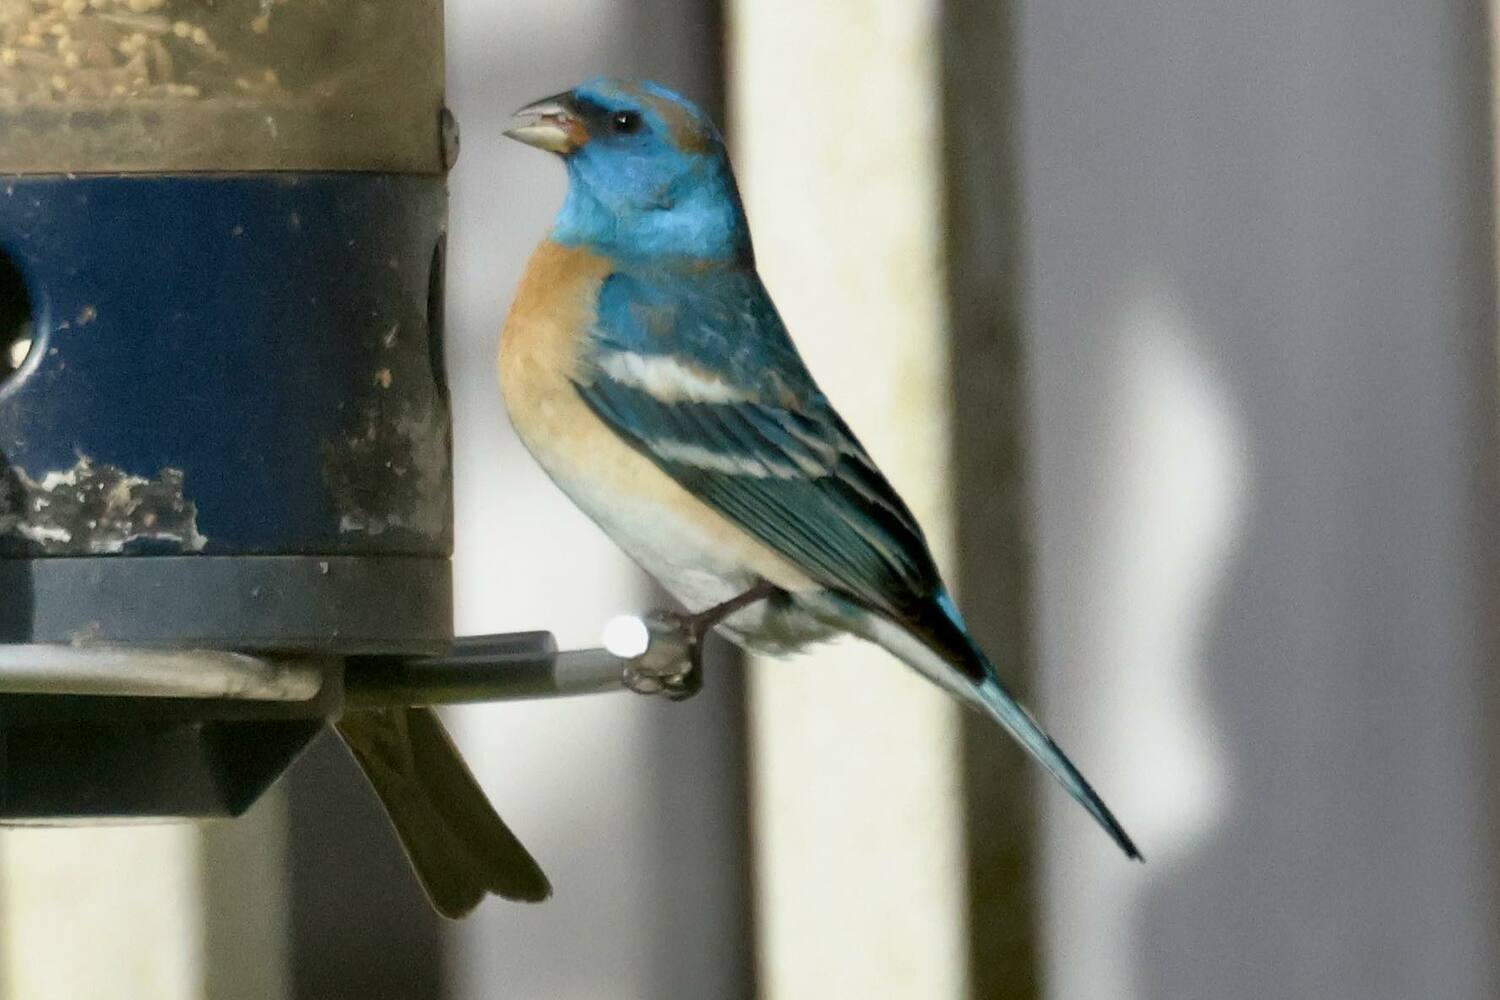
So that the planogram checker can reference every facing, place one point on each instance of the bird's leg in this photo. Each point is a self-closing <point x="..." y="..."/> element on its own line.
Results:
<point x="679" y="673"/>
<point x="702" y="622"/>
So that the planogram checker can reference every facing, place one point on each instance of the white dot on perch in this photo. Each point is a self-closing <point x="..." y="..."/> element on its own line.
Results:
<point x="626" y="636"/>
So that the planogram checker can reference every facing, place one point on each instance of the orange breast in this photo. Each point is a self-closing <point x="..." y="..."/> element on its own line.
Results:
<point x="553" y="310"/>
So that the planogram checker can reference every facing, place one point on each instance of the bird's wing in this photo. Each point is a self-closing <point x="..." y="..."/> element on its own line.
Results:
<point x="699" y="375"/>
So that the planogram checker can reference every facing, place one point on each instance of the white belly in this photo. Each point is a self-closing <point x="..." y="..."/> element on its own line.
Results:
<point x="681" y="555"/>
<point x="695" y="568"/>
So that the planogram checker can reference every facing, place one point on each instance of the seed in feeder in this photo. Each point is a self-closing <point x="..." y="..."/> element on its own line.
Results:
<point x="182" y="29"/>
<point x="70" y="60"/>
<point x="7" y="57"/>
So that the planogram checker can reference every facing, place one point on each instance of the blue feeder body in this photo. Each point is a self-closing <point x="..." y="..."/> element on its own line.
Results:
<point x="254" y="353"/>
<point x="223" y="368"/>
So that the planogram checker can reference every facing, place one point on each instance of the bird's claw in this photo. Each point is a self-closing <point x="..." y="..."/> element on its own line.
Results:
<point x="671" y="664"/>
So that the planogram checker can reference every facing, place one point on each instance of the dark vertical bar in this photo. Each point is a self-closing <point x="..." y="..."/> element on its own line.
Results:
<point x="361" y="928"/>
<point x="983" y="250"/>
<point x="1483" y="419"/>
<point x="245" y="932"/>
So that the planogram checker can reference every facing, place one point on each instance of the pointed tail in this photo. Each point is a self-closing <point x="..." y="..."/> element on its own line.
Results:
<point x="1018" y="722"/>
<point x="458" y="845"/>
<point x="995" y="699"/>
<point x="939" y="647"/>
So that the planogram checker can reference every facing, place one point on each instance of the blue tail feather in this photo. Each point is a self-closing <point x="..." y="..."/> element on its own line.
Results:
<point x="1002" y="705"/>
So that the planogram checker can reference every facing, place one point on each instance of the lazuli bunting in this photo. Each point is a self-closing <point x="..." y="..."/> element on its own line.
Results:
<point x="645" y="367"/>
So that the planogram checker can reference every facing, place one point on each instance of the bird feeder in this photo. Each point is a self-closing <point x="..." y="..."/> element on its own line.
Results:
<point x="225" y="483"/>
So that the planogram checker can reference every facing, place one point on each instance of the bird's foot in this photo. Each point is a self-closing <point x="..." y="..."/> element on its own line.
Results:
<point x="672" y="662"/>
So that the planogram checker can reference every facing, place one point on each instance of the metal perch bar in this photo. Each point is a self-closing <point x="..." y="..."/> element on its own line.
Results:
<point x="516" y="666"/>
<point x="481" y="668"/>
<point x="118" y="671"/>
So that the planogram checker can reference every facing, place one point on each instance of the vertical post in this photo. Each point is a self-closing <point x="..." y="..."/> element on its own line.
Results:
<point x="110" y="911"/>
<point x="161" y="911"/>
<point x="985" y="271"/>
<point x="855" y="760"/>
<point x="246" y="926"/>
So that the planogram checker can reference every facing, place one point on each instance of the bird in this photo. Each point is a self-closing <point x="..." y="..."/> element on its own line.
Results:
<point x="646" y="369"/>
<point x="459" y="847"/>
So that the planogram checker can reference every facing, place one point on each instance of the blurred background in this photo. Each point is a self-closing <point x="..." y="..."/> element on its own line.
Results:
<point x="1175" y="322"/>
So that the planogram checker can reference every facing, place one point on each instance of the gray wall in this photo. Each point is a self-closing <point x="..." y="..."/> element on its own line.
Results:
<point x="1259" y="300"/>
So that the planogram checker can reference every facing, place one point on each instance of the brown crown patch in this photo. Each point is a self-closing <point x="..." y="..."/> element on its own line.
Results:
<point x="689" y="133"/>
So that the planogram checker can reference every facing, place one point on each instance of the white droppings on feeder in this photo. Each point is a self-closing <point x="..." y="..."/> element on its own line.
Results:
<point x="626" y="636"/>
<point x="19" y="348"/>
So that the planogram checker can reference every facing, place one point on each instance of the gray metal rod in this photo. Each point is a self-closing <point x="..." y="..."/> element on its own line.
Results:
<point x="481" y="668"/>
<point x="152" y="673"/>
<point x="508" y="667"/>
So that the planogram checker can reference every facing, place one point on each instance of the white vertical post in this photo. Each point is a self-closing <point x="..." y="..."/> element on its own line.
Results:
<point x="146" y="911"/>
<point x="101" y="911"/>
<point x="855" y="761"/>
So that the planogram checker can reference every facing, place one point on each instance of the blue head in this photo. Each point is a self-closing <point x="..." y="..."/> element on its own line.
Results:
<point x="648" y="177"/>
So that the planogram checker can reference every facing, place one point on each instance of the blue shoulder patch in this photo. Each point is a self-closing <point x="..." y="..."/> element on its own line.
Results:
<point x="721" y="320"/>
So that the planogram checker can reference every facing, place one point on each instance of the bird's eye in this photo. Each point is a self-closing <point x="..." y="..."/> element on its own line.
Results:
<point x="625" y="122"/>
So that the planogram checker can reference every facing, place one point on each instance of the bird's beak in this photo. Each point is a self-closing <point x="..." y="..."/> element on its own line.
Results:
<point x="552" y="124"/>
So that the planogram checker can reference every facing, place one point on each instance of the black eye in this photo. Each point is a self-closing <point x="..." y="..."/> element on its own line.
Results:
<point x="625" y="122"/>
